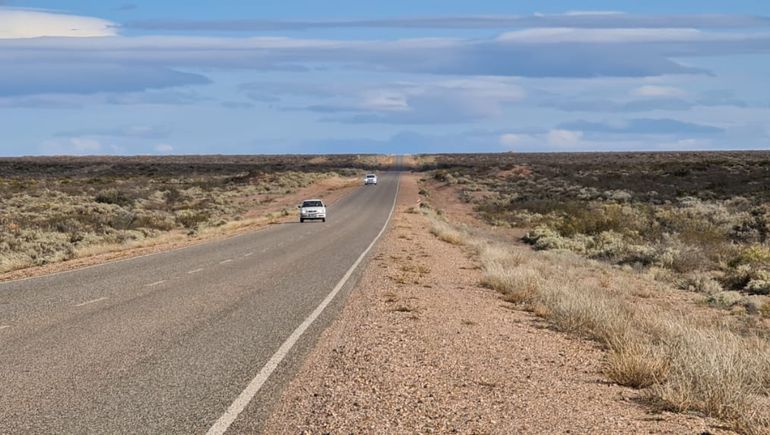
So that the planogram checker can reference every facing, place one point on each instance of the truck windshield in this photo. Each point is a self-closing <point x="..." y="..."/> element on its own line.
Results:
<point x="312" y="204"/>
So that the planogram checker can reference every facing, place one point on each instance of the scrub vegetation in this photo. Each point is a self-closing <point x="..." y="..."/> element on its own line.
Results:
<point x="701" y="220"/>
<point x="59" y="208"/>
<point x="618" y="243"/>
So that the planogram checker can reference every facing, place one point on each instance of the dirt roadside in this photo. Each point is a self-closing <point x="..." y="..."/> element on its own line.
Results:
<point x="420" y="347"/>
<point x="267" y="211"/>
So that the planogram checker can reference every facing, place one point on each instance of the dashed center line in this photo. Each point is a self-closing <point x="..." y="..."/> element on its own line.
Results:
<point x="248" y="254"/>
<point x="156" y="283"/>
<point x="195" y="270"/>
<point x="91" y="301"/>
<point x="226" y="261"/>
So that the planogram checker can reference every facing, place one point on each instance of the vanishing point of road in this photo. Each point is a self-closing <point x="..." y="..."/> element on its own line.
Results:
<point x="196" y="340"/>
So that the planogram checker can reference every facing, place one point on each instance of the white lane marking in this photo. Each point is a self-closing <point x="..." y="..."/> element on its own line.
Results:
<point x="92" y="301"/>
<point x="155" y="283"/>
<point x="240" y="403"/>
<point x="226" y="261"/>
<point x="4" y="326"/>
<point x="195" y="270"/>
<point x="248" y="254"/>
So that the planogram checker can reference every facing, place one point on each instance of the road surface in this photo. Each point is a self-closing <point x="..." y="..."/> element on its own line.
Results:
<point x="166" y="343"/>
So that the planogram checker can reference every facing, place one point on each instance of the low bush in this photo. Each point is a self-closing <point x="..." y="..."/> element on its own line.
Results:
<point x="114" y="196"/>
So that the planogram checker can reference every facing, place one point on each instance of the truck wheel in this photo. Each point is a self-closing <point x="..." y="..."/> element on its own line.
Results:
<point x="323" y="220"/>
<point x="302" y="221"/>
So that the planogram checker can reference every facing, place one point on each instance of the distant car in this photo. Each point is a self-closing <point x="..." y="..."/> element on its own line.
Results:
<point x="370" y="179"/>
<point x="312" y="209"/>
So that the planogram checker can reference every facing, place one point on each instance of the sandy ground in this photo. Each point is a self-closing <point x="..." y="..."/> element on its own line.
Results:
<point x="260" y="216"/>
<point x="421" y="348"/>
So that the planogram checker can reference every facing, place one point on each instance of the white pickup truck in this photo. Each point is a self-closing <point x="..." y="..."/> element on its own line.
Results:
<point x="370" y="179"/>
<point x="312" y="209"/>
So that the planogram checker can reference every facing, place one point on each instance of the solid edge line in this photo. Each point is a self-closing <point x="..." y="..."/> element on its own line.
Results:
<point x="92" y="301"/>
<point x="243" y="399"/>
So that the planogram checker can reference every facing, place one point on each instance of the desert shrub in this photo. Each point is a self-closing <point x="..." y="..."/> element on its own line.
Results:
<point x="191" y="219"/>
<point x="172" y="196"/>
<point x="759" y="286"/>
<point x="699" y="282"/>
<point x="749" y="270"/>
<point x="114" y="196"/>
<point x="755" y="255"/>
<point x="724" y="299"/>
<point x="123" y="220"/>
<point x="33" y="248"/>
<point x="755" y="228"/>
<point x="599" y="218"/>
<point x="613" y="247"/>
<point x="544" y="238"/>
<point x="154" y="220"/>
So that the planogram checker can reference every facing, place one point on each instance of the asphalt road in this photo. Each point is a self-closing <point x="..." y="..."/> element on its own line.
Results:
<point x="166" y="343"/>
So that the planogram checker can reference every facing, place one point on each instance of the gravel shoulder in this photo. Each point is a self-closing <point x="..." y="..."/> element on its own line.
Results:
<point x="420" y="347"/>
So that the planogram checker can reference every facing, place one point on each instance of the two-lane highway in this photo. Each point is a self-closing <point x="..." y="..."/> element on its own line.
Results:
<point x="183" y="341"/>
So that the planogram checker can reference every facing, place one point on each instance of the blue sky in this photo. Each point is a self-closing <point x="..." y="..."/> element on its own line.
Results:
<point x="245" y="77"/>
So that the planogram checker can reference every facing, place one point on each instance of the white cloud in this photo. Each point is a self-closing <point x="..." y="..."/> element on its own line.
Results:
<point x="518" y="55"/>
<point x="385" y="101"/>
<point x="511" y="140"/>
<point x="592" y="13"/>
<point x="85" y="145"/>
<point x="73" y="146"/>
<point x="564" y="138"/>
<point x="164" y="148"/>
<point x="616" y="36"/>
<point x="20" y="24"/>
<point x="652" y="91"/>
<point x="413" y="102"/>
<point x="579" y="19"/>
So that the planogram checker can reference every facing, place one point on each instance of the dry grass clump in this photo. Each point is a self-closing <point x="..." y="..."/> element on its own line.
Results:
<point x="447" y="233"/>
<point x="517" y="285"/>
<point x="682" y="363"/>
<point x="638" y="364"/>
<point x="716" y="372"/>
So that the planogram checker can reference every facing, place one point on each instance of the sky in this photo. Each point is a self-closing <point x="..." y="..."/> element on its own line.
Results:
<point x="95" y="77"/>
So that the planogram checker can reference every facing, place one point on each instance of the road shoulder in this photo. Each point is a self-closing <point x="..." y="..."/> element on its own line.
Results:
<point x="421" y="347"/>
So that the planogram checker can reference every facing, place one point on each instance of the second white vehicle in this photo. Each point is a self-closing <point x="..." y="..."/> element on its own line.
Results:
<point x="370" y="179"/>
<point x="312" y="209"/>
